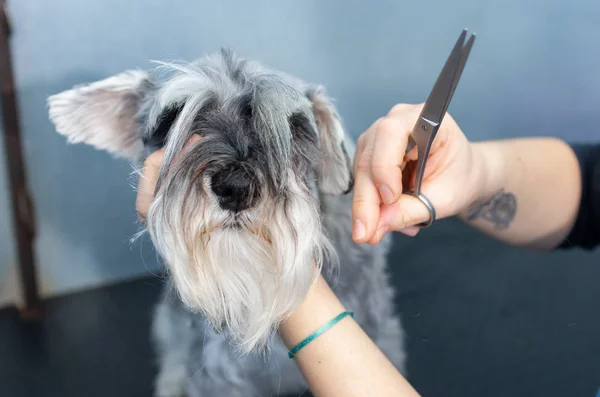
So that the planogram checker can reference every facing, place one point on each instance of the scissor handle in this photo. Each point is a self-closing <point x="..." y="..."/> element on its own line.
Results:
<point x="422" y="136"/>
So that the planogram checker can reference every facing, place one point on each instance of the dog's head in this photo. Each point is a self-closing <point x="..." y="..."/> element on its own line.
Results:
<point x="236" y="216"/>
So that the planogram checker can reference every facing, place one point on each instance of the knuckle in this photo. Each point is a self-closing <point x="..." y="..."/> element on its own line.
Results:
<point x="139" y="202"/>
<point x="393" y="127"/>
<point x="388" y="125"/>
<point x="148" y="162"/>
<point x="406" y="219"/>
<point x="383" y="171"/>
<point x="405" y="108"/>
<point x="360" y="143"/>
<point x="142" y="218"/>
<point x="387" y="129"/>
<point x="141" y="211"/>
<point x="360" y="204"/>
<point x="153" y="160"/>
<point x="358" y="200"/>
<point x="385" y="161"/>
<point x="411" y="216"/>
<point x="363" y="163"/>
<point x="377" y="125"/>
<point x="398" y="108"/>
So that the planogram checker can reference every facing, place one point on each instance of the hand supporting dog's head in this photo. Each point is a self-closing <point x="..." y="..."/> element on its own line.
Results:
<point x="236" y="216"/>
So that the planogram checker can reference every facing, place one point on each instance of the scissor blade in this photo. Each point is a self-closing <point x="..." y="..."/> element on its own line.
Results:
<point x="438" y="99"/>
<point x="466" y="50"/>
<point x="411" y="144"/>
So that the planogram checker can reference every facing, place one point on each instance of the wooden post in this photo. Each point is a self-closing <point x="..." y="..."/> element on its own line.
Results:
<point x="22" y="208"/>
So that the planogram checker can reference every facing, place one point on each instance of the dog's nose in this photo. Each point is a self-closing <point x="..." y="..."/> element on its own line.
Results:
<point x="233" y="190"/>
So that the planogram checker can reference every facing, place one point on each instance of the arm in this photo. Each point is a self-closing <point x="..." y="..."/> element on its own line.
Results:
<point x="538" y="193"/>
<point x="586" y="231"/>
<point x="343" y="361"/>
<point x="529" y="191"/>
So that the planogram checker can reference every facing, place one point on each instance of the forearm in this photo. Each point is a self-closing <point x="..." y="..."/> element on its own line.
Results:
<point x="343" y="361"/>
<point x="529" y="191"/>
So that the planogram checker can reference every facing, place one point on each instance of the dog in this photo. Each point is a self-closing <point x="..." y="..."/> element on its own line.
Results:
<point x="242" y="220"/>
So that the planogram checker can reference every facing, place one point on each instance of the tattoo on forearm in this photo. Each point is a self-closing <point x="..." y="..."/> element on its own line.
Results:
<point x="500" y="210"/>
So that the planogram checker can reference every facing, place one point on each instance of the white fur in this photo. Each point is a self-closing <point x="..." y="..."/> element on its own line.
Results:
<point x="101" y="114"/>
<point x="243" y="280"/>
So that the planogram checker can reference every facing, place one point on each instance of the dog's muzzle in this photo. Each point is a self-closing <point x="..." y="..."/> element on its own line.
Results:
<point x="235" y="189"/>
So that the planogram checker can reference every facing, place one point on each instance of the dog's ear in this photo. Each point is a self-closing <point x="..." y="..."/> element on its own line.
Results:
<point x="334" y="169"/>
<point x="103" y="114"/>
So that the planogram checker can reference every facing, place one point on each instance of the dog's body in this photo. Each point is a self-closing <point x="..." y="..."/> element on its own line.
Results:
<point x="195" y="359"/>
<point x="240" y="218"/>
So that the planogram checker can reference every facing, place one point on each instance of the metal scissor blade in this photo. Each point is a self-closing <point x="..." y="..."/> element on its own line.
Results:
<point x="466" y="50"/>
<point x="441" y="94"/>
<point x="439" y="99"/>
<point x="411" y="144"/>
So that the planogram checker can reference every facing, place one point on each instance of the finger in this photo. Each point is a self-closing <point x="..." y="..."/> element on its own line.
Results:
<point x="410" y="231"/>
<point x="415" y="108"/>
<point x="188" y="145"/>
<point x="377" y="237"/>
<point x="147" y="183"/>
<point x="366" y="200"/>
<point x="407" y="212"/>
<point x="365" y="141"/>
<point x="149" y="176"/>
<point x="389" y="147"/>
<point x="382" y="231"/>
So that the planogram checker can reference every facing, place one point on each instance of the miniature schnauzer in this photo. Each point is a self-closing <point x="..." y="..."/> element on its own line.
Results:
<point x="242" y="219"/>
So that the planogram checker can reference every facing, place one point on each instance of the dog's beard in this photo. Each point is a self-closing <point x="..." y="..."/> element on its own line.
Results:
<point x="245" y="273"/>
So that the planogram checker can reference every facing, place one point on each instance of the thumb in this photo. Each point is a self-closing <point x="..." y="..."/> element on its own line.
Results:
<point x="404" y="214"/>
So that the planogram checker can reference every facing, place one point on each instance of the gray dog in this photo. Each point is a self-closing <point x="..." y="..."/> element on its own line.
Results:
<point x="241" y="218"/>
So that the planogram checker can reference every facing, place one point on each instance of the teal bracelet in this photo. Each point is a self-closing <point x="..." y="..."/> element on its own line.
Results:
<point x="318" y="332"/>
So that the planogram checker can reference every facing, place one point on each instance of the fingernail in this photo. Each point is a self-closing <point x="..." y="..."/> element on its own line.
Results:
<point x="386" y="194"/>
<point x="410" y="231"/>
<point x="359" y="230"/>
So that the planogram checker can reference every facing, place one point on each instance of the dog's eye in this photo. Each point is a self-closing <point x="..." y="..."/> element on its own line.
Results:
<point x="245" y="107"/>
<point x="158" y="137"/>
<point x="301" y="129"/>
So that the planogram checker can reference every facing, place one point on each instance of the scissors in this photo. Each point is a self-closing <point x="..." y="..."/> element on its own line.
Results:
<point x="428" y="123"/>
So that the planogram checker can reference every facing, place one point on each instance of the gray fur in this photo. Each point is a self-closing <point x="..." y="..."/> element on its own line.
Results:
<point x="234" y="274"/>
<point x="213" y="368"/>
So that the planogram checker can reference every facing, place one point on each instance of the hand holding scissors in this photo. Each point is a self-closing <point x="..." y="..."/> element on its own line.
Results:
<point x="413" y="166"/>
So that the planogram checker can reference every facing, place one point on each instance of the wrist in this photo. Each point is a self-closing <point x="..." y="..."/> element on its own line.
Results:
<point x="319" y="306"/>
<point x="488" y="174"/>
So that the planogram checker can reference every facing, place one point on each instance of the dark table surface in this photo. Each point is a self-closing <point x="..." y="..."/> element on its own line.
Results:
<point x="482" y="319"/>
